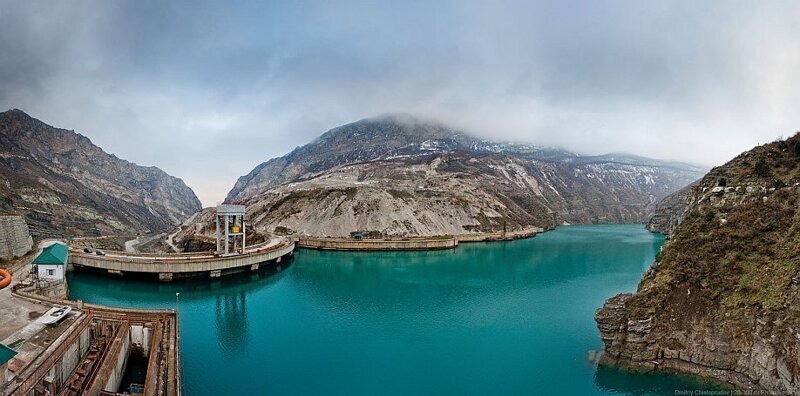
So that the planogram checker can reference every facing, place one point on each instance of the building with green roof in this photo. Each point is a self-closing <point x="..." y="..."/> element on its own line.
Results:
<point x="51" y="263"/>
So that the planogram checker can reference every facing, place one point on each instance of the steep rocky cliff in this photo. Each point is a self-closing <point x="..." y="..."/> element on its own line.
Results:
<point x="399" y="176"/>
<point x="669" y="212"/>
<point x="66" y="186"/>
<point x="723" y="296"/>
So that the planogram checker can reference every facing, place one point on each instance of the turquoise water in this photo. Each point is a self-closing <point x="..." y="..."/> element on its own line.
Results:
<point x="486" y="318"/>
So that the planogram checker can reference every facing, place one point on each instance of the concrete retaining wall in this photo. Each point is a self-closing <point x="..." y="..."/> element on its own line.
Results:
<point x="115" y="375"/>
<point x="15" y="239"/>
<point x="420" y="243"/>
<point x="63" y="368"/>
<point x="376" y="244"/>
<point x="499" y="236"/>
<point x="56" y="290"/>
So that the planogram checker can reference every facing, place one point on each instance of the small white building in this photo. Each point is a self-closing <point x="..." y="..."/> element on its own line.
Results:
<point x="51" y="263"/>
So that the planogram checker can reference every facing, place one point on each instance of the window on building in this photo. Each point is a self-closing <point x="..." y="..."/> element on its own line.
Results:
<point x="51" y="272"/>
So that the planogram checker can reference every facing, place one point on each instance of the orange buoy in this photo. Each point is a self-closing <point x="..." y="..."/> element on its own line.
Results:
<point x="6" y="278"/>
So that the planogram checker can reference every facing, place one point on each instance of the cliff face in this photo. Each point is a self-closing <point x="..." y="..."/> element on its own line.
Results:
<point x="669" y="212"/>
<point x="66" y="186"/>
<point x="723" y="296"/>
<point x="400" y="176"/>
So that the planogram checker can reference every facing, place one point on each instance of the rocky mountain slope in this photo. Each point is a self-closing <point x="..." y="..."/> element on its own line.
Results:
<point x="399" y="176"/>
<point x="723" y="296"/>
<point x="669" y="212"/>
<point x="66" y="186"/>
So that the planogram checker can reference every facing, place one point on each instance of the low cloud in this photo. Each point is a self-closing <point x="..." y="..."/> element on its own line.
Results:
<point x="207" y="90"/>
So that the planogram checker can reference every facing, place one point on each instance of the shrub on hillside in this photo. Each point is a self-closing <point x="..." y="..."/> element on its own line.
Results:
<point x="761" y="167"/>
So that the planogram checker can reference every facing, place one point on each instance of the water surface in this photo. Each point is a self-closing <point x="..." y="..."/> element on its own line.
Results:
<point x="485" y="318"/>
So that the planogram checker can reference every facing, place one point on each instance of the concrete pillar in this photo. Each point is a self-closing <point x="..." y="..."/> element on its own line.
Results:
<point x="244" y="233"/>
<point x="227" y="229"/>
<point x="216" y="219"/>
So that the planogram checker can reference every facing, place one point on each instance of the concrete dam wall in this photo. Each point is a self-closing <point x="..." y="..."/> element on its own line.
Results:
<point x="377" y="244"/>
<point x="411" y="243"/>
<point x="15" y="239"/>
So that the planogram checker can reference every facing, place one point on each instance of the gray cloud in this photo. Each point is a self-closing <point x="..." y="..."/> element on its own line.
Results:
<point x="207" y="90"/>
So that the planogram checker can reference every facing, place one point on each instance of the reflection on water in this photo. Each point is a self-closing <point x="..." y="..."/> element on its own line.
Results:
<point x="485" y="318"/>
<point x="231" y="322"/>
<point x="616" y="381"/>
<point x="229" y="294"/>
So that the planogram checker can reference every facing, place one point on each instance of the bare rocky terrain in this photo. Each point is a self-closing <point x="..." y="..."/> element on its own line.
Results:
<point x="669" y="212"/>
<point x="399" y="176"/>
<point x="66" y="186"/>
<point x="722" y="298"/>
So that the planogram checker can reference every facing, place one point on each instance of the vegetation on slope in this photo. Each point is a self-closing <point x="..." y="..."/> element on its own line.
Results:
<point x="723" y="297"/>
<point x="739" y="248"/>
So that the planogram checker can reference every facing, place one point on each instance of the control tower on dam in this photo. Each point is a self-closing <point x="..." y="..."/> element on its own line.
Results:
<point x="232" y="254"/>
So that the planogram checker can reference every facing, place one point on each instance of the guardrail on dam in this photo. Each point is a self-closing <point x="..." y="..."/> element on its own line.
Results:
<point x="171" y="266"/>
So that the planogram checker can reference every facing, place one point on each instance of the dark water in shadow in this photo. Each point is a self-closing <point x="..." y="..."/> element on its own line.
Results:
<point x="486" y="318"/>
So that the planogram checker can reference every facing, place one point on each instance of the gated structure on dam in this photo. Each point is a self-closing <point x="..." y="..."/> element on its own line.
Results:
<point x="232" y="255"/>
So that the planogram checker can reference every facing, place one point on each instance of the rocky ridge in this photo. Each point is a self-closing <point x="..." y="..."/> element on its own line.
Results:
<point x="66" y="186"/>
<point x="400" y="176"/>
<point x="722" y="299"/>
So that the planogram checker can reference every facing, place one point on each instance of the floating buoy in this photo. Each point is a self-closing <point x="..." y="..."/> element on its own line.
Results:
<point x="6" y="278"/>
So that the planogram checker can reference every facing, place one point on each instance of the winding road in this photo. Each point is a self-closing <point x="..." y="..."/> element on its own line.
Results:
<point x="171" y="243"/>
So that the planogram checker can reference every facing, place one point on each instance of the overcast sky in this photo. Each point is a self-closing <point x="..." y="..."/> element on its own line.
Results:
<point x="208" y="90"/>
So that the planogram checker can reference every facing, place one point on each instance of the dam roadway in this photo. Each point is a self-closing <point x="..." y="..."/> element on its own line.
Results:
<point x="168" y="267"/>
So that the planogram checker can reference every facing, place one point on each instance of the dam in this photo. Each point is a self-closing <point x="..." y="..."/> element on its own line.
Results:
<point x="168" y="267"/>
<point x="100" y="350"/>
<point x="232" y="255"/>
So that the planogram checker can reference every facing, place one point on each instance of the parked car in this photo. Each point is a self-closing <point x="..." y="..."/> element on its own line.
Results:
<point x="87" y="250"/>
<point x="99" y="253"/>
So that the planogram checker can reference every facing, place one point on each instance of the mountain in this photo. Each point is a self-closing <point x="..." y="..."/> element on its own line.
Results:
<point x="66" y="186"/>
<point x="722" y="298"/>
<point x="401" y="176"/>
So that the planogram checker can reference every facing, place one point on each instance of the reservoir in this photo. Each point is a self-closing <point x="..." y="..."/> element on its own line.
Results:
<point x="485" y="318"/>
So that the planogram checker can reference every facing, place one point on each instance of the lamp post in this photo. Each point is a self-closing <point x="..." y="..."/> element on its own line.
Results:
<point x="178" y="336"/>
